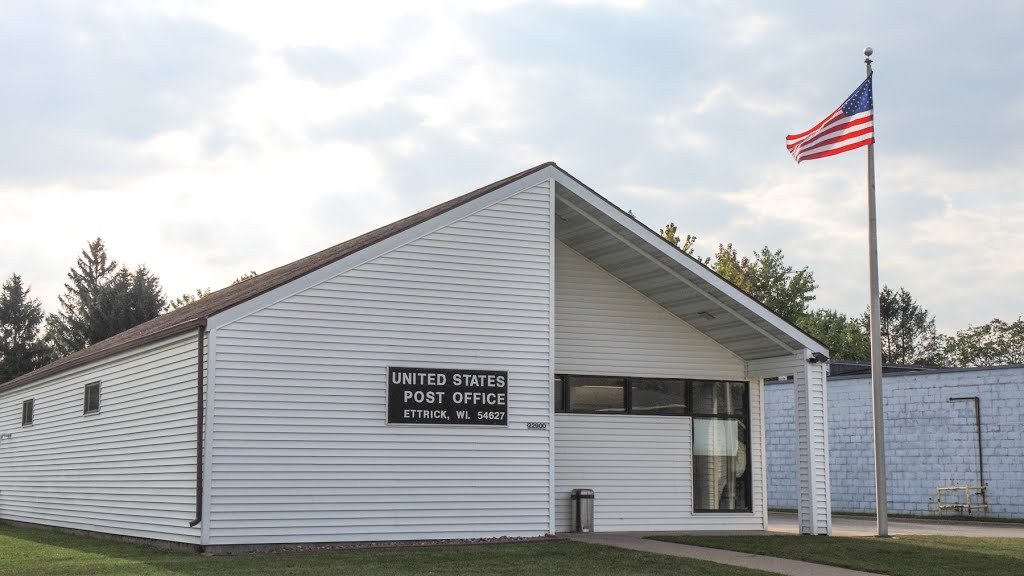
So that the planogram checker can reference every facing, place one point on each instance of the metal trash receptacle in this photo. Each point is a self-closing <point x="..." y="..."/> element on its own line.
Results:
<point x="583" y="510"/>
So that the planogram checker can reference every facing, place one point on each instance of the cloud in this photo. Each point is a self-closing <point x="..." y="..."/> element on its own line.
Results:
<point x="82" y="87"/>
<point x="753" y="28"/>
<point x="182" y="132"/>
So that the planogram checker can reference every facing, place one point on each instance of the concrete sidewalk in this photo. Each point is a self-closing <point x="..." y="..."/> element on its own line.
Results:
<point x="786" y="523"/>
<point x="767" y="563"/>
<point x="635" y="541"/>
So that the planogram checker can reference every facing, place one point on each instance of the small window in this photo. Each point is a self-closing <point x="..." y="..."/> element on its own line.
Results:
<point x="27" y="412"/>
<point x="600" y="394"/>
<point x="559" y="396"/>
<point x="92" y="398"/>
<point x="661" y="396"/>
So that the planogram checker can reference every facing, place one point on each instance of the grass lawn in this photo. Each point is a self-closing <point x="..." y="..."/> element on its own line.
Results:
<point x="42" y="552"/>
<point x="898" y="556"/>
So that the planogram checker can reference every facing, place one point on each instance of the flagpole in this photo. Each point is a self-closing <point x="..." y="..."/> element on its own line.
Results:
<point x="881" y="500"/>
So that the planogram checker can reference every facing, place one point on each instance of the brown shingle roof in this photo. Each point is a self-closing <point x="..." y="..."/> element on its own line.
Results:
<point x="194" y="315"/>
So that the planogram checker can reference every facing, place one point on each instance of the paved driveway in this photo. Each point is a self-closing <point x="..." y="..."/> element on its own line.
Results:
<point x="864" y="526"/>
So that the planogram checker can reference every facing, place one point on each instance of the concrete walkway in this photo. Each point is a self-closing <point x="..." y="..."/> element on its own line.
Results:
<point x="783" y="523"/>
<point x="636" y="541"/>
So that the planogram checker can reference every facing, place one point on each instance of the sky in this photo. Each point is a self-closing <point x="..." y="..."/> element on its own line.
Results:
<point x="208" y="139"/>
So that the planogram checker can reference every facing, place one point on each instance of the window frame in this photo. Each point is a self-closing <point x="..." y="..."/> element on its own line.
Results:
<point x="563" y="380"/>
<point x="567" y="394"/>
<point x="85" y="398"/>
<point x="28" y="408"/>
<point x="687" y="395"/>
<point x="748" y="474"/>
<point x="745" y="420"/>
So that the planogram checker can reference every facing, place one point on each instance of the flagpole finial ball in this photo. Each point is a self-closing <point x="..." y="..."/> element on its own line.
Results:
<point x="868" y="51"/>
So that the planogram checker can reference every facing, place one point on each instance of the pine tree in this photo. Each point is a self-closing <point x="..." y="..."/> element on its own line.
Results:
<point x="101" y="300"/>
<point x="21" y="350"/>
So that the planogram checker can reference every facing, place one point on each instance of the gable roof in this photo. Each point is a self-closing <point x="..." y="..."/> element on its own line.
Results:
<point x="194" y="315"/>
<point x="746" y="312"/>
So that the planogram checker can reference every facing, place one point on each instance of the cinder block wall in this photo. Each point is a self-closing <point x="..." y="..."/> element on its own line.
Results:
<point x="930" y="441"/>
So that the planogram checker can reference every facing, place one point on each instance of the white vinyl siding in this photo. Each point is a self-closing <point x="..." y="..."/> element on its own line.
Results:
<point x="129" y="469"/>
<point x="638" y="466"/>
<point x="604" y="327"/>
<point x="815" y="507"/>
<point x="301" y="448"/>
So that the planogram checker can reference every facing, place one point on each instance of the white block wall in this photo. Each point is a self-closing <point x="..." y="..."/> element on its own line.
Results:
<point x="929" y="440"/>
<point x="301" y="448"/>
<point x="605" y="327"/>
<point x="129" y="469"/>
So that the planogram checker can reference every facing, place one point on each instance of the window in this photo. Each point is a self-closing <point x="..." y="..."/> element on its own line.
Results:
<point x="92" y="398"/>
<point x="721" y="426"/>
<point x="721" y="447"/>
<point x="598" y="394"/>
<point x="661" y="396"/>
<point x="720" y="398"/>
<point x="27" y="412"/>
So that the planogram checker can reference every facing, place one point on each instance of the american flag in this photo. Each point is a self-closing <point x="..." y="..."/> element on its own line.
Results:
<point x="850" y="126"/>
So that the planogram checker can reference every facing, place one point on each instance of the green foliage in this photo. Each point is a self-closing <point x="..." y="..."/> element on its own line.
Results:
<point x="244" y="277"/>
<point x="186" y="299"/>
<point x="845" y="337"/>
<point x="670" y="233"/>
<point x="21" y="350"/>
<point x="101" y="300"/>
<point x="908" y="334"/>
<point x="991" y="344"/>
<point x="767" y="278"/>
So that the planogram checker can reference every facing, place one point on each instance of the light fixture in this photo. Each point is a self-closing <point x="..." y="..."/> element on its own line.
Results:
<point x="817" y="357"/>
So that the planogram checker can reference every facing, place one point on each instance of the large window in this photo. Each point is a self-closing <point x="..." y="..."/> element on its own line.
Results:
<point x="721" y="447"/>
<point x="721" y="425"/>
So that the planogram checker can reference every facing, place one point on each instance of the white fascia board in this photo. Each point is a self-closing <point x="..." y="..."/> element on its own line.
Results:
<point x="777" y="366"/>
<point x="691" y="265"/>
<point x="373" y="251"/>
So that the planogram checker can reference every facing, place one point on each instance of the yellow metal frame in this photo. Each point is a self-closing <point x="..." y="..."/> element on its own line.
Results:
<point x="965" y="504"/>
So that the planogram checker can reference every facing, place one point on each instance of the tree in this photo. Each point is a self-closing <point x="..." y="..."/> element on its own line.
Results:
<point x="908" y="334"/>
<point x="69" y="330"/>
<point x="244" y="277"/>
<point x="991" y="344"/>
<point x="767" y="278"/>
<point x="844" y="336"/>
<point x="21" y="350"/>
<point x="201" y="293"/>
<point x="101" y="300"/>
<point x="186" y="299"/>
<point x="670" y="233"/>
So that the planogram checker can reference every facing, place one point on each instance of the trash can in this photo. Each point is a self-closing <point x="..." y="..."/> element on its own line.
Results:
<point x="583" y="510"/>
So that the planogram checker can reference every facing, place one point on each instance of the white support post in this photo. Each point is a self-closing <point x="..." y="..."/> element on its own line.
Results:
<point x="814" y="509"/>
